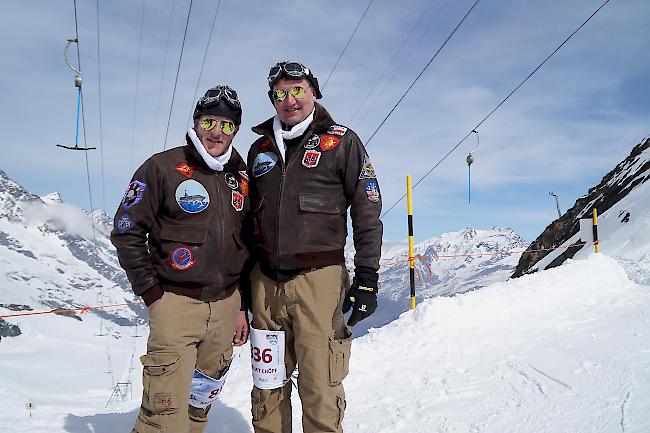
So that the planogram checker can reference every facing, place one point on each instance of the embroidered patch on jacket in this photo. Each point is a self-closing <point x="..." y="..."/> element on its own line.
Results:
<point x="372" y="191"/>
<point x="312" y="142"/>
<point x="337" y="130"/>
<point x="264" y="146"/>
<point x="367" y="170"/>
<point x="185" y="169"/>
<point x="237" y="200"/>
<point x="124" y="223"/>
<point x="243" y="174"/>
<point x="311" y="158"/>
<point x="192" y="197"/>
<point x="243" y="187"/>
<point x="264" y="162"/>
<point x="133" y="194"/>
<point x="231" y="181"/>
<point x="182" y="258"/>
<point x="329" y="142"/>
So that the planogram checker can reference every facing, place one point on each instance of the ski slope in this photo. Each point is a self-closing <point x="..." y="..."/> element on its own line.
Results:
<point x="564" y="351"/>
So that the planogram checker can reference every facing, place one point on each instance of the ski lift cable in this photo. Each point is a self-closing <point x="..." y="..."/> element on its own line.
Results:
<point x="469" y="11"/>
<point x="205" y="55"/>
<point x="162" y="72"/>
<point x="180" y="59"/>
<point x="137" y="84"/>
<point x="393" y="58"/>
<point x="503" y="101"/>
<point x="347" y="44"/>
<point x="101" y="133"/>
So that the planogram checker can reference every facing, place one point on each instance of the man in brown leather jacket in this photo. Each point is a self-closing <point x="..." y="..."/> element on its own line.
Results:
<point x="178" y="234"/>
<point x="306" y="170"/>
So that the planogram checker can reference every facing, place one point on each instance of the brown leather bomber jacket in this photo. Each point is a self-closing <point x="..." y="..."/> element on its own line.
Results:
<point x="179" y="227"/>
<point x="300" y="208"/>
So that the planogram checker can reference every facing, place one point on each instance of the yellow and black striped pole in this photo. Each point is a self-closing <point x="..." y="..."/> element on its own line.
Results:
<point x="596" y="241"/>
<point x="409" y="205"/>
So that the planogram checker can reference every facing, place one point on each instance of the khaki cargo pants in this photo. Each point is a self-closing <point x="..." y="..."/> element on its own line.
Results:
<point x="185" y="334"/>
<point x="308" y="309"/>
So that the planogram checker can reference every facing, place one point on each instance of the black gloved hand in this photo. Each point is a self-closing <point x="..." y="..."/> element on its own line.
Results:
<point x="362" y="295"/>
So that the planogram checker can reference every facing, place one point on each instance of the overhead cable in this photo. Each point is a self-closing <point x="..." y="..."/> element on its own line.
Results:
<point x="499" y="104"/>
<point x="178" y="69"/>
<point x="346" y="45"/>
<point x="137" y="84"/>
<point x="101" y="132"/>
<point x="162" y="73"/>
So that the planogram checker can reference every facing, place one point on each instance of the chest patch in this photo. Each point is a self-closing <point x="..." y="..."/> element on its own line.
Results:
<point x="264" y="162"/>
<point x="329" y="142"/>
<point x="237" y="201"/>
<point x="192" y="197"/>
<point x="182" y="258"/>
<point x="185" y="169"/>
<point x="313" y="142"/>
<point x="243" y="187"/>
<point x="337" y="130"/>
<point x="231" y="181"/>
<point x="133" y="194"/>
<point x="311" y="158"/>
<point x="367" y="170"/>
<point x="243" y="174"/>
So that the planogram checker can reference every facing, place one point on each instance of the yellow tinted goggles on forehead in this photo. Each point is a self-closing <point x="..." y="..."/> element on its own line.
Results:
<point x="281" y="94"/>
<point x="208" y="123"/>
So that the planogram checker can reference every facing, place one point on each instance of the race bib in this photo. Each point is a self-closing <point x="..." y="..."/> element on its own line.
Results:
<point x="267" y="358"/>
<point x="205" y="389"/>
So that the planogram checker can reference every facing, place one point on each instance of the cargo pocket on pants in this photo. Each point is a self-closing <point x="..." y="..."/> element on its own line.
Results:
<point x="339" y="359"/>
<point x="264" y="402"/>
<point x="143" y="425"/>
<point x="160" y="381"/>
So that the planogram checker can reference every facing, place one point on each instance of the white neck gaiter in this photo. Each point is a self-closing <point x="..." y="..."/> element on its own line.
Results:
<point x="296" y="131"/>
<point x="215" y="163"/>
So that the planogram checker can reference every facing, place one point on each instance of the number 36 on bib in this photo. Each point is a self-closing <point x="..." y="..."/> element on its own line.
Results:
<point x="267" y="358"/>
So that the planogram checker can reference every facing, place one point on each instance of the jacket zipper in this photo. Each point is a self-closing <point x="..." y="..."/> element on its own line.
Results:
<point x="220" y="226"/>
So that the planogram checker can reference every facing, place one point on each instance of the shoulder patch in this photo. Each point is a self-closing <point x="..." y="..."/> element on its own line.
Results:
<point x="182" y="259"/>
<point x="372" y="191"/>
<point x="185" y="169"/>
<point x="311" y="158"/>
<point x="367" y="170"/>
<point x="312" y="142"/>
<point x="329" y="142"/>
<point x="337" y="130"/>
<point x="264" y="162"/>
<point x="243" y="174"/>
<point x="133" y="194"/>
<point x="124" y="223"/>
<point x="191" y="196"/>
<point x="264" y="145"/>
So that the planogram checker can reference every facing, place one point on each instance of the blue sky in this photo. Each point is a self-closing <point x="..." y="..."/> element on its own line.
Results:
<point x="565" y="129"/>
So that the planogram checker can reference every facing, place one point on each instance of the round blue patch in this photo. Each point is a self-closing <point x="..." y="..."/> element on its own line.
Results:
<point x="182" y="259"/>
<point x="192" y="197"/>
<point x="264" y="162"/>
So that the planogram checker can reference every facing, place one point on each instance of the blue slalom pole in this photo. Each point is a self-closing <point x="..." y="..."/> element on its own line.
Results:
<point x="76" y="135"/>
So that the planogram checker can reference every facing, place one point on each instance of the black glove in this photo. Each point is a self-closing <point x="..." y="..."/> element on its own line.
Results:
<point x="362" y="295"/>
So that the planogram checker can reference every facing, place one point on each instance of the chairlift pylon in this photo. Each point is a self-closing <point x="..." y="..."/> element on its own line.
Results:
<point x="77" y="83"/>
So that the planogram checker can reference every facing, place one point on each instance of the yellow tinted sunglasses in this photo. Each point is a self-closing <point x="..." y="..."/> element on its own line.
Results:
<point x="208" y="123"/>
<point x="298" y="92"/>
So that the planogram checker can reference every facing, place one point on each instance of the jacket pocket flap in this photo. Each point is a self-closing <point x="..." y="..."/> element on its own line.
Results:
<point x="319" y="203"/>
<point x="185" y="233"/>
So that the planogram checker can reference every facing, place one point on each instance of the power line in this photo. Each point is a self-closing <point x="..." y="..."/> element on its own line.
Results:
<point x="392" y="60"/>
<point x="137" y="83"/>
<point x="101" y="133"/>
<point x="348" y="43"/>
<point x="423" y="70"/>
<point x="499" y="104"/>
<point x="162" y="72"/>
<point x="205" y="55"/>
<point x="180" y="59"/>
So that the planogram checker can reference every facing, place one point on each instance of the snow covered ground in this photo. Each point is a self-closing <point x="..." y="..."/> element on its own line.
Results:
<point x="564" y="350"/>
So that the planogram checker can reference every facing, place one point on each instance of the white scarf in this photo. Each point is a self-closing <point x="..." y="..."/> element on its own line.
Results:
<point x="215" y="163"/>
<point x="295" y="131"/>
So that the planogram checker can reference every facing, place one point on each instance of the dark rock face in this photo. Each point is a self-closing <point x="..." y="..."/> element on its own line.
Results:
<point x="630" y="173"/>
<point x="8" y="330"/>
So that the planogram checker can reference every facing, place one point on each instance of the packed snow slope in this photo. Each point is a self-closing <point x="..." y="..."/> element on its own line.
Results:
<point x="561" y="351"/>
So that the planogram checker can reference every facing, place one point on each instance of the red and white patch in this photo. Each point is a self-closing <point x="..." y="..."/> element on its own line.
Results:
<point x="243" y="174"/>
<point x="311" y="158"/>
<point x="237" y="200"/>
<point x="264" y="146"/>
<point x="185" y="169"/>
<point x="337" y="130"/>
<point x="329" y="142"/>
<point x="182" y="258"/>
<point x="243" y="186"/>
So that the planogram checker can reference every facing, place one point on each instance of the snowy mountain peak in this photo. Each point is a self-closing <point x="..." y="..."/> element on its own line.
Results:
<point x="51" y="198"/>
<point x="13" y="197"/>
